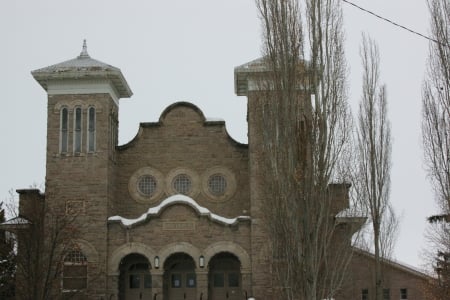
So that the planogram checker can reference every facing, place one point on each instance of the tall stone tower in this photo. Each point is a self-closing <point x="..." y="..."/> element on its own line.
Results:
<point x="83" y="103"/>
<point x="247" y="80"/>
<point x="256" y="81"/>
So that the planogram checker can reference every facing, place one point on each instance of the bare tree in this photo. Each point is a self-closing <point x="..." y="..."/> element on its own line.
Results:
<point x="436" y="105"/>
<point x="436" y="140"/>
<point x="372" y="180"/>
<point x="7" y="261"/>
<point x="437" y="256"/>
<point x="44" y="236"/>
<point x="306" y="135"/>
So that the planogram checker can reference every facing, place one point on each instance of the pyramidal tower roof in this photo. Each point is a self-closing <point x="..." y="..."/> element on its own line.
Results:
<point x="83" y="67"/>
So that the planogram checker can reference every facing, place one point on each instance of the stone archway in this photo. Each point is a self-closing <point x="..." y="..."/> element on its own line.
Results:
<point x="225" y="278"/>
<point x="230" y="247"/>
<point x="135" y="279"/>
<point x="122" y="251"/>
<point x="180" y="279"/>
<point x="114" y="263"/>
<point x="240" y="255"/>
<point x="180" y="247"/>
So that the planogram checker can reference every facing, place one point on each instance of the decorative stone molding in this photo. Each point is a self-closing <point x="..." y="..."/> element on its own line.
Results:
<point x="154" y="212"/>
<point x="71" y="104"/>
<point x="74" y="87"/>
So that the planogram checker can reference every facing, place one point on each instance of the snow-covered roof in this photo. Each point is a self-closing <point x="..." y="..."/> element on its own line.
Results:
<point x="14" y="223"/>
<point x="177" y="199"/>
<point x="83" y="67"/>
<point x="214" y="120"/>
<point x="394" y="263"/>
<point x="349" y="213"/>
<point x="242" y="72"/>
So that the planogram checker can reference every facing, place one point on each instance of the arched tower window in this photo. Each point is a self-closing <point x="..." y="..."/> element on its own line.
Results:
<point x="77" y="130"/>
<point x="91" y="130"/>
<point x="74" y="271"/>
<point x="63" y="130"/>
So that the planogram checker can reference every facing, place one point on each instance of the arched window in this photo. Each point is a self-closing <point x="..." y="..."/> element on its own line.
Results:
<point x="63" y="130"/>
<point x="74" y="271"/>
<point x="77" y="131"/>
<point x="91" y="130"/>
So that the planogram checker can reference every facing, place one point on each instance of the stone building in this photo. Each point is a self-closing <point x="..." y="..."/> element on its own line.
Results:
<point x="174" y="213"/>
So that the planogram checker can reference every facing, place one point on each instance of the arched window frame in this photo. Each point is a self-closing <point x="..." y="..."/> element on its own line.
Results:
<point x="77" y="129"/>
<point x="74" y="275"/>
<point x="63" y="130"/>
<point x="91" y="129"/>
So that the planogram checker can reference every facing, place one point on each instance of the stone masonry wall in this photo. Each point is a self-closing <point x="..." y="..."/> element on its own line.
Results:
<point x="77" y="183"/>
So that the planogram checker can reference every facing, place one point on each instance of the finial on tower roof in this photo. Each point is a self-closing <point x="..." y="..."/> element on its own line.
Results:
<point x="84" y="51"/>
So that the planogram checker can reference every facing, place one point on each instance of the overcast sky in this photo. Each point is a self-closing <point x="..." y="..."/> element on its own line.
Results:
<point x="186" y="50"/>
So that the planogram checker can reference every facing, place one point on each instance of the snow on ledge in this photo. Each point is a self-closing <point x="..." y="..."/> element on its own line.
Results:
<point x="177" y="199"/>
<point x="214" y="120"/>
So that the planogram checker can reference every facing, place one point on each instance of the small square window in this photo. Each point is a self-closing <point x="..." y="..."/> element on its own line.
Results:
<point x="176" y="280"/>
<point x="219" y="280"/>
<point x="233" y="280"/>
<point x="403" y="293"/>
<point x="386" y="294"/>
<point x="147" y="281"/>
<point x="190" y="280"/>
<point x="364" y="294"/>
<point x="135" y="281"/>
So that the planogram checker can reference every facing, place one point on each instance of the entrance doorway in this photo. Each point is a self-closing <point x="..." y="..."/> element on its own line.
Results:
<point x="225" y="277"/>
<point x="180" y="281"/>
<point x="135" y="278"/>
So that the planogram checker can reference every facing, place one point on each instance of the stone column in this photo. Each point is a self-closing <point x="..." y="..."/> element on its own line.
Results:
<point x="247" y="283"/>
<point x="157" y="284"/>
<point x="202" y="284"/>
<point x="113" y="287"/>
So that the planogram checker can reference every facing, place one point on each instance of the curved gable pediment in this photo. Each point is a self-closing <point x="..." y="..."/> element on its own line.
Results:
<point x="182" y="119"/>
<point x="182" y="113"/>
<point x="156" y="211"/>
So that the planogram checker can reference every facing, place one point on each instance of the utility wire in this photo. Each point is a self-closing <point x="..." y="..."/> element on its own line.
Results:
<point x="396" y="24"/>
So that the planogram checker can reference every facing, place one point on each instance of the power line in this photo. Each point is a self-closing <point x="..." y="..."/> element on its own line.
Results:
<point x="395" y="24"/>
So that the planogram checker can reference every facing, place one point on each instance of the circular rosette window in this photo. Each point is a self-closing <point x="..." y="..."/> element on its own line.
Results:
<point x="146" y="185"/>
<point x="182" y="181"/>
<point x="218" y="184"/>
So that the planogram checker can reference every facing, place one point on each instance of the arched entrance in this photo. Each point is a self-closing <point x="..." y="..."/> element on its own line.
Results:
<point x="225" y="282"/>
<point x="180" y="281"/>
<point x="135" y="280"/>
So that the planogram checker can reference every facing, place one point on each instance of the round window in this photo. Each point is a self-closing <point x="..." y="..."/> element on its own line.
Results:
<point x="147" y="185"/>
<point x="182" y="184"/>
<point x="217" y="184"/>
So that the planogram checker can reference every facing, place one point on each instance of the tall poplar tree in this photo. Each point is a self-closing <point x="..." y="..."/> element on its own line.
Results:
<point x="306" y="137"/>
